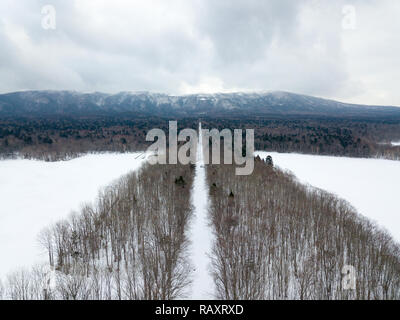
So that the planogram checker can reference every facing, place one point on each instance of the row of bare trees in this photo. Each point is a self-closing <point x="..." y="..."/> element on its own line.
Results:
<point x="279" y="239"/>
<point x="131" y="244"/>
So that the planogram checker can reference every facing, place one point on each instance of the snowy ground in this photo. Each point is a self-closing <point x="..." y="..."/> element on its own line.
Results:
<point x="370" y="185"/>
<point x="35" y="194"/>
<point x="201" y="233"/>
<point x="396" y="144"/>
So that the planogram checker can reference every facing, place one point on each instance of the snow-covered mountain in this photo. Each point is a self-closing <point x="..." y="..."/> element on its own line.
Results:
<point x="278" y="103"/>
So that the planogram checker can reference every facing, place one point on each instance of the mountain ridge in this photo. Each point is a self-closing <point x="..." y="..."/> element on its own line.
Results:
<point x="143" y="103"/>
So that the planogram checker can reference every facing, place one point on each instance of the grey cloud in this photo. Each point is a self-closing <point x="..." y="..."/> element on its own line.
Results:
<point x="242" y="30"/>
<point x="201" y="45"/>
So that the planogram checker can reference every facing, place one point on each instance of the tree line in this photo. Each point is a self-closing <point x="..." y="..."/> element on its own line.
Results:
<point x="338" y="137"/>
<point x="64" y="138"/>
<point x="130" y="244"/>
<point x="279" y="239"/>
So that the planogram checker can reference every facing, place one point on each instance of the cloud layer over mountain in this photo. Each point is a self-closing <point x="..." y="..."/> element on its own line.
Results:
<point x="181" y="46"/>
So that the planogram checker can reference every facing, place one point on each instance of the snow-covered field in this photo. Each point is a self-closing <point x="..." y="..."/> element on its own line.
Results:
<point x="372" y="186"/>
<point x="396" y="144"/>
<point x="35" y="194"/>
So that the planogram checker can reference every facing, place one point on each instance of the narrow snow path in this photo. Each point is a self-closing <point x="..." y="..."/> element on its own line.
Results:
<point x="202" y="237"/>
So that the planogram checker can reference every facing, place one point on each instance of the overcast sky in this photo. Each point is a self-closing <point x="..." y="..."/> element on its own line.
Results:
<point x="179" y="47"/>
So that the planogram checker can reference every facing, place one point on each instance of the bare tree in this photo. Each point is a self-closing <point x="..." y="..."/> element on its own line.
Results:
<point x="18" y="285"/>
<point x="1" y="290"/>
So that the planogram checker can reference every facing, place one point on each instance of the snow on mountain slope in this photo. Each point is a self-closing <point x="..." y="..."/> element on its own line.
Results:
<point x="35" y="194"/>
<point x="370" y="185"/>
<point x="147" y="103"/>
